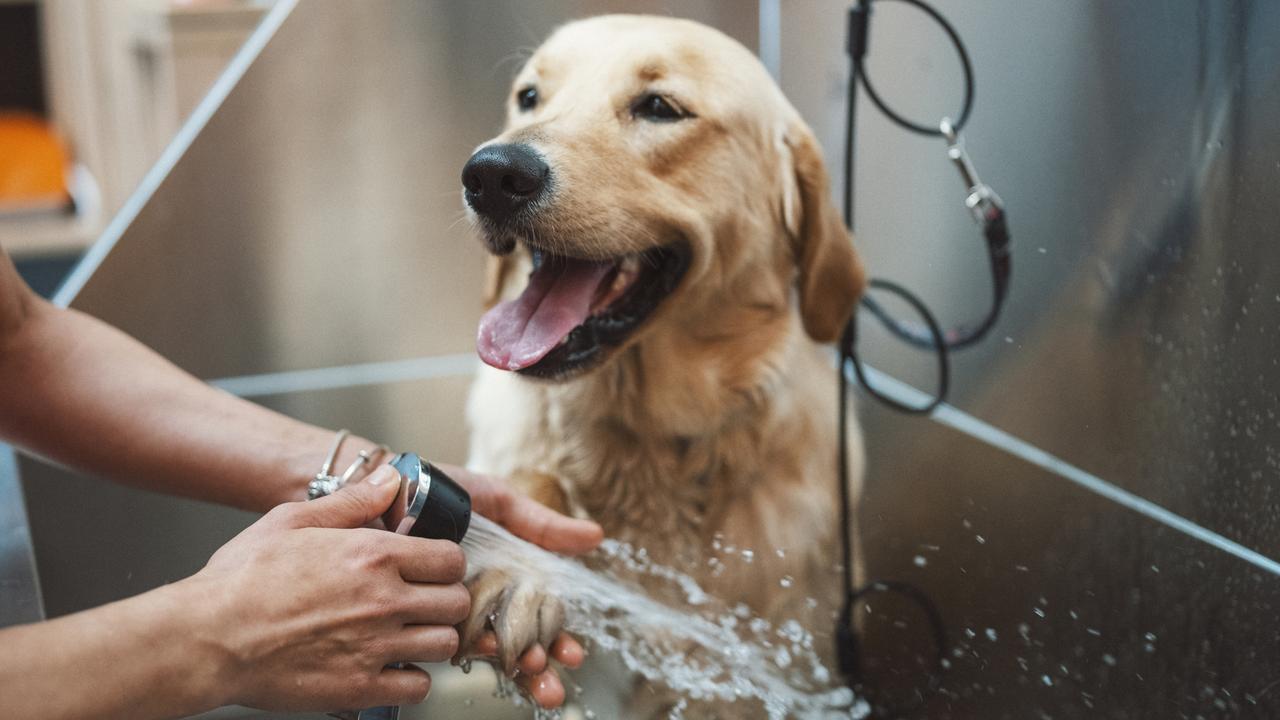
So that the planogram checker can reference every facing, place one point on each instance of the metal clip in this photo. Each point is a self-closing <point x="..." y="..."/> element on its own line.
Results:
<point x="983" y="202"/>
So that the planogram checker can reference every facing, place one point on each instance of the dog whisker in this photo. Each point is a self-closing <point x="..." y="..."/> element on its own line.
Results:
<point x="461" y="216"/>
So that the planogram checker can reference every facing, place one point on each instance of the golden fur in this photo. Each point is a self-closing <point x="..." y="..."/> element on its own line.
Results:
<point x="717" y="417"/>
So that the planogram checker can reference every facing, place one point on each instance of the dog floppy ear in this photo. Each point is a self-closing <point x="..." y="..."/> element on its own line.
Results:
<point x="830" y="274"/>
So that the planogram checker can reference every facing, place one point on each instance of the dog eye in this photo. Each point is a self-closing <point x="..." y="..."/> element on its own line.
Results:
<point x="527" y="98"/>
<point x="655" y="108"/>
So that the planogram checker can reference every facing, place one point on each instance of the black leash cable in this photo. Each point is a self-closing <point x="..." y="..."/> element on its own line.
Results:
<point x="988" y="211"/>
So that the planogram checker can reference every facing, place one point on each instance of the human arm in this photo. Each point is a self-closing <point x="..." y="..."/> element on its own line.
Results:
<point x="290" y="615"/>
<point x="84" y="394"/>
<point x="258" y="626"/>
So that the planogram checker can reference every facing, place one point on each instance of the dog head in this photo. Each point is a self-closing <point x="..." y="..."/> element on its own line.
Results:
<point x="650" y="174"/>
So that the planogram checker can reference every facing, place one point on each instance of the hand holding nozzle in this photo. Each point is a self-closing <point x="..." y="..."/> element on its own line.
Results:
<point x="307" y="607"/>
<point x="429" y="503"/>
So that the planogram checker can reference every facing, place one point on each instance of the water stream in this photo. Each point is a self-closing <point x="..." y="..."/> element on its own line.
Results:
<point x="702" y="651"/>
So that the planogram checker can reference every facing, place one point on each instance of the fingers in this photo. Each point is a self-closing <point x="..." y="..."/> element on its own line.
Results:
<point x="545" y="527"/>
<point x="427" y="561"/>
<point x="526" y="518"/>
<point x="519" y="614"/>
<point x="568" y="652"/>
<point x="536" y="677"/>
<point x="487" y="592"/>
<point x="423" y="643"/>
<point x="434" y="604"/>
<point x="545" y="688"/>
<point x="533" y="661"/>
<point x="350" y="507"/>
<point x="527" y="618"/>
<point x="409" y="685"/>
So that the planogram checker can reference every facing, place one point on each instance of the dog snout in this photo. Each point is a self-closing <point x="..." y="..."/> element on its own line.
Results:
<point x="500" y="180"/>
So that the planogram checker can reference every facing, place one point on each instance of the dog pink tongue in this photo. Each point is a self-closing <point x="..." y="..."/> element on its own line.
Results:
<point x="518" y="333"/>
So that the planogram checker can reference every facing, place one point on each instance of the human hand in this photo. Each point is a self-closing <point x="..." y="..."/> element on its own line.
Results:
<point x="524" y="517"/>
<point x="309" y="608"/>
<point x="550" y="530"/>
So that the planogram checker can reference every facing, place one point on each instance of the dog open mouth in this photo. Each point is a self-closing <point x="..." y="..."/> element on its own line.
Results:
<point x="574" y="310"/>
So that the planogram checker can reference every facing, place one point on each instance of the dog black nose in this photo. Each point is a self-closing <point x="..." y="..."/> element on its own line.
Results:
<point x="501" y="179"/>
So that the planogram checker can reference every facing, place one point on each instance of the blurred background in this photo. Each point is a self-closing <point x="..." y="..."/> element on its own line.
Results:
<point x="1096" y="512"/>
<point x="90" y="93"/>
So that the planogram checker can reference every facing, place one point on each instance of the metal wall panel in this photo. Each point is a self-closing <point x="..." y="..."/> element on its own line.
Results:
<point x="1135" y="147"/>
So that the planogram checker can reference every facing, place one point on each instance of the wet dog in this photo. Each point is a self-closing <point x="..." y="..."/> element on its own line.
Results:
<point x="667" y="264"/>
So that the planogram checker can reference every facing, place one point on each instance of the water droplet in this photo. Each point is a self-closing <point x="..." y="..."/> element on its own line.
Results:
<point x="739" y="655"/>
<point x="1109" y="659"/>
<point x="991" y="634"/>
<point x="748" y="555"/>
<point x="1046" y="680"/>
<point x="1039" y="612"/>
<point x="920" y="561"/>
<point x="981" y="540"/>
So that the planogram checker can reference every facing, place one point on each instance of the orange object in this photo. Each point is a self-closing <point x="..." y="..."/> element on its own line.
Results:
<point x="33" y="164"/>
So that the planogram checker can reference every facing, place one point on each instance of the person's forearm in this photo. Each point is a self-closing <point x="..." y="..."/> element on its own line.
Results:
<point x="140" y="658"/>
<point x="85" y="394"/>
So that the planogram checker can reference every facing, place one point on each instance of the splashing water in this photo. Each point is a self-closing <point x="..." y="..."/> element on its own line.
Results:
<point x="703" y="653"/>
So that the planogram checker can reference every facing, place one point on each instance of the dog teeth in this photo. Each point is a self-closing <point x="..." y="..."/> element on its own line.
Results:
<point x="628" y="268"/>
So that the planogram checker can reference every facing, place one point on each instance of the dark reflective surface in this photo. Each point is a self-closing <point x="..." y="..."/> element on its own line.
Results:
<point x="1058" y="603"/>
<point x="1135" y="148"/>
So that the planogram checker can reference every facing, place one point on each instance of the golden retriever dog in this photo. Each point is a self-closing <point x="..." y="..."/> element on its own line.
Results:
<point x="667" y="263"/>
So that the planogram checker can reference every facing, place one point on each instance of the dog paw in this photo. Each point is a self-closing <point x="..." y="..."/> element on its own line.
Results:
<point x="516" y="610"/>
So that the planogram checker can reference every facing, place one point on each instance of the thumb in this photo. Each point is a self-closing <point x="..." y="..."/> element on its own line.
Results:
<point x="354" y="505"/>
